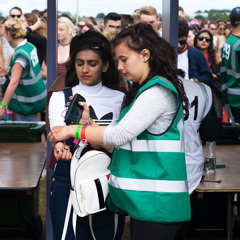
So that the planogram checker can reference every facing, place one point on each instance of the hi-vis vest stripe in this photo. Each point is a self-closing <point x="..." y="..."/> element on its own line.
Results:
<point x="230" y="72"/>
<point x="148" y="175"/>
<point x="148" y="185"/>
<point x="36" y="78"/>
<point x="154" y="146"/>
<point x="30" y="99"/>
<point x="191" y="169"/>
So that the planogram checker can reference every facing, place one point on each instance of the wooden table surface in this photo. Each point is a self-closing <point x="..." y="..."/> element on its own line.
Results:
<point x="230" y="174"/>
<point x="21" y="165"/>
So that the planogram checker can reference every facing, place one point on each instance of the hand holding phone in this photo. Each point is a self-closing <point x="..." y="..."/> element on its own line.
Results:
<point x="75" y="111"/>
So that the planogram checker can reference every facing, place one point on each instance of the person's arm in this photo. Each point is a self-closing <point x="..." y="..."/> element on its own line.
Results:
<point x="44" y="70"/>
<point x="3" y="71"/>
<point x="198" y="67"/>
<point x="36" y="25"/>
<point x="138" y="119"/>
<point x="15" y="78"/>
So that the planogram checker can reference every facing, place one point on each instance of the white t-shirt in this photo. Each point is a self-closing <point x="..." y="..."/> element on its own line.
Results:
<point x="104" y="104"/>
<point x="183" y="63"/>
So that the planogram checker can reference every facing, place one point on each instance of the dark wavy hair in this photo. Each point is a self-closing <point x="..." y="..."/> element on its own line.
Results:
<point x="162" y="59"/>
<point x="183" y="28"/>
<point x="98" y="43"/>
<point x="210" y="50"/>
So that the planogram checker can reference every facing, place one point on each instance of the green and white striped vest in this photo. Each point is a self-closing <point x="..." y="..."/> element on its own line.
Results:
<point x="230" y="72"/>
<point x="148" y="175"/>
<point x="30" y="95"/>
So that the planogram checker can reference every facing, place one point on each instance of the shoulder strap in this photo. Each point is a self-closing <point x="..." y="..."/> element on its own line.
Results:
<point x="67" y="93"/>
<point x="77" y="155"/>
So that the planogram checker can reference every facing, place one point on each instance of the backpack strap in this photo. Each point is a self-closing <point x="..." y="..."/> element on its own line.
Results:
<point x="67" y="93"/>
<point x="115" y="225"/>
<point x="67" y="216"/>
<point x="69" y="206"/>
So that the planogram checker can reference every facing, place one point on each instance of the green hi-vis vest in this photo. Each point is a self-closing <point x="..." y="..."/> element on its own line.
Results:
<point x="230" y="72"/>
<point x="148" y="175"/>
<point x="30" y="95"/>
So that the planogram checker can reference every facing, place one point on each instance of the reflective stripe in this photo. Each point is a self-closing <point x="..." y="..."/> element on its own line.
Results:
<point x="224" y="87"/>
<point x="30" y="99"/>
<point x="22" y="51"/>
<point x="148" y="185"/>
<point x="180" y="127"/>
<point x="191" y="146"/>
<point x="32" y="81"/>
<point x="236" y="44"/>
<point x="223" y="69"/>
<point x="230" y="72"/>
<point x="167" y="82"/>
<point x="154" y="146"/>
<point x="195" y="168"/>
<point x="233" y="91"/>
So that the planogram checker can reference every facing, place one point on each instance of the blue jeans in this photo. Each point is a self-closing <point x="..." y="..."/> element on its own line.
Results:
<point x="28" y="118"/>
<point x="102" y="222"/>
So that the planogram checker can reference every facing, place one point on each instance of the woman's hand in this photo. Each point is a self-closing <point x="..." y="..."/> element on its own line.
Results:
<point x="2" y="109"/>
<point x="62" y="152"/>
<point x="85" y="118"/>
<point x="60" y="133"/>
<point x="3" y="72"/>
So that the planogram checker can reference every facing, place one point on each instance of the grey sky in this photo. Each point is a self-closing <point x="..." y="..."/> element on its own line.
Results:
<point x="93" y="7"/>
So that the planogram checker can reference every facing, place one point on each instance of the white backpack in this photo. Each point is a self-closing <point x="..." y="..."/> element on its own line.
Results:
<point x="89" y="181"/>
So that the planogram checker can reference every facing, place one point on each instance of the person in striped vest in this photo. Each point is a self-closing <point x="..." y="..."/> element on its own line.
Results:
<point x="26" y="92"/>
<point x="148" y="171"/>
<point x="230" y="66"/>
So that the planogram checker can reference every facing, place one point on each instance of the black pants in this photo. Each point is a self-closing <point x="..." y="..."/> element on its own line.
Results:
<point x="144" y="230"/>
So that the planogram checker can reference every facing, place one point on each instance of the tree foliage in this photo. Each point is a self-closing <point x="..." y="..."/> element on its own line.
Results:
<point x="199" y="17"/>
<point x="218" y="15"/>
<point x="100" y="15"/>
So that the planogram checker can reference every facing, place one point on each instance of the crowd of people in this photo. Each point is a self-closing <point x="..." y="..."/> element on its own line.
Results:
<point x="147" y="108"/>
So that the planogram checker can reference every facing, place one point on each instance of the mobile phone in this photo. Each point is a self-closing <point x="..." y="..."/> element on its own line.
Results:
<point x="74" y="112"/>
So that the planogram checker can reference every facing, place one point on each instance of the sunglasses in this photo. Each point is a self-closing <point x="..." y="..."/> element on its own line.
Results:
<point x="213" y="29"/>
<point x="182" y="42"/>
<point x="207" y="39"/>
<point x="13" y="16"/>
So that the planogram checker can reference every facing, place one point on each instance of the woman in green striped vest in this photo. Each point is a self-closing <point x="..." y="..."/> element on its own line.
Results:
<point x="26" y="92"/>
<point x="148" y="171"/>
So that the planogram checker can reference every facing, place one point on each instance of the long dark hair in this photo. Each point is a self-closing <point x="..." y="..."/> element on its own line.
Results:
<point x="162" y="59"/>
<point x="98" y="43"/>
<point x="210" y="50"/>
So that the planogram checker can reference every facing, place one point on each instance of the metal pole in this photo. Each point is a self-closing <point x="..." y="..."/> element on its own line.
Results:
<point x="229" y="215"/>
<point x="77" y="13"/>
<point x="51" y="76"/>
<point x="170" y="22"/>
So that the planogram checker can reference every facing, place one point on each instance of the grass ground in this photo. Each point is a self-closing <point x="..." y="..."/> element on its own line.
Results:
<point x="199" y="235"/>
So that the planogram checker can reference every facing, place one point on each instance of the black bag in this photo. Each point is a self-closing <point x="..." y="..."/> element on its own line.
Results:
<point x="217" y="97"/>
<point x="230" y="133"/>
